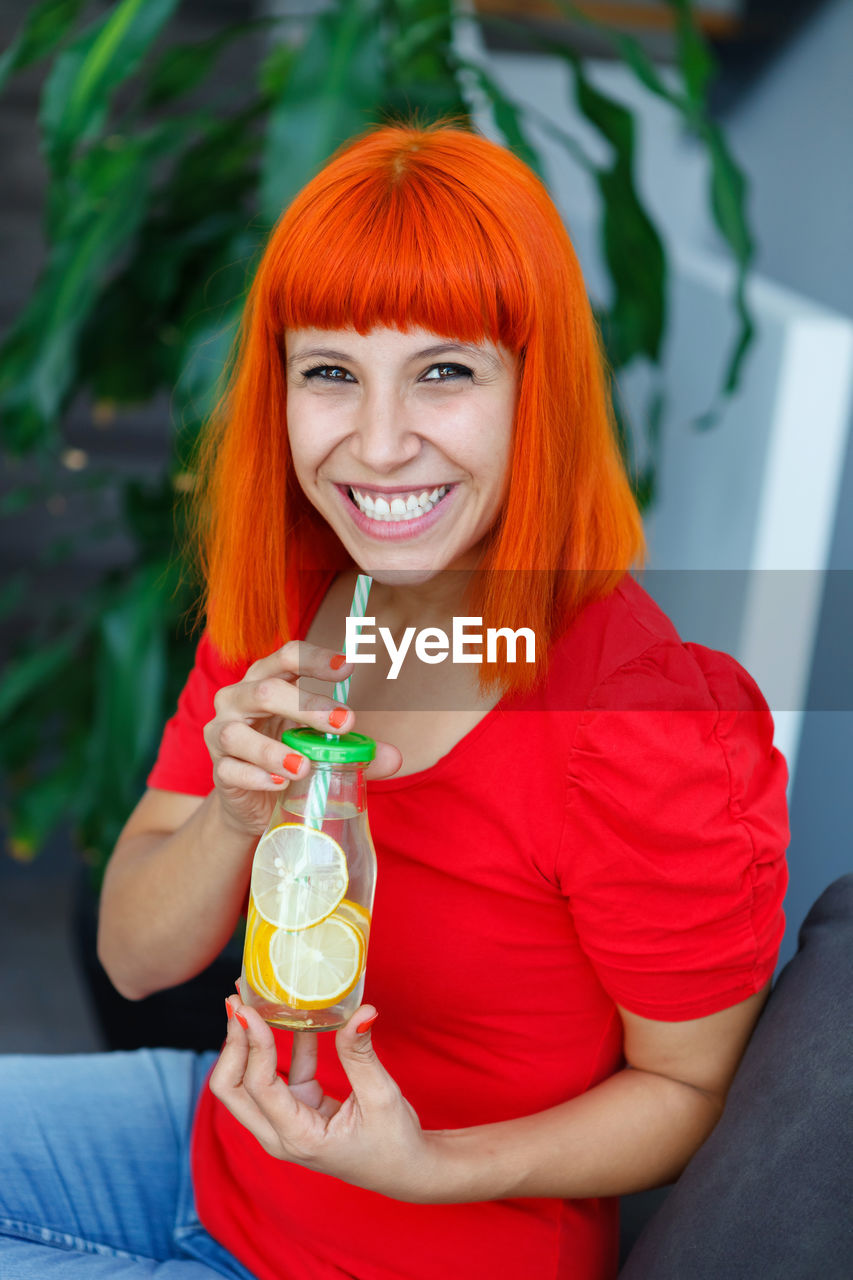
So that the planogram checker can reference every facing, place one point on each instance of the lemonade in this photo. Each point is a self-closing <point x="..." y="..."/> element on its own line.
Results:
<point x="311" y="896"/>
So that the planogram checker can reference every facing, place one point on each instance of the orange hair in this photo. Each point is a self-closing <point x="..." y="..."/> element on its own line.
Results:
<point x="438" y="228"/>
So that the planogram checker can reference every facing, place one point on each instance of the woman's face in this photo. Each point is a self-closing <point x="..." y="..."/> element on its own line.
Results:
<point x="402" y="442"/>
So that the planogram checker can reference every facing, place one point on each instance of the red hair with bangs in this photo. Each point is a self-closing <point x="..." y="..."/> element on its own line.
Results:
<point x="438" y="228"/>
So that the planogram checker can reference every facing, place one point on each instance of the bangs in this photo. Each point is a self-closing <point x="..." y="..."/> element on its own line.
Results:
<point x="399" y="250"/>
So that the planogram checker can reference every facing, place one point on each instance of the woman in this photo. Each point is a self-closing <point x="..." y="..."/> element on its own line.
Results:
<point x="581" y="858"/>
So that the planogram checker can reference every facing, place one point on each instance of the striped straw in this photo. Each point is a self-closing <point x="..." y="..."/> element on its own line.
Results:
<point x="359" y="603"/>
<point x="318" y="791"/>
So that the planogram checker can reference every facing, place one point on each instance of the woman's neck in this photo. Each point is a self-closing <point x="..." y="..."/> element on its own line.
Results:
<point x="431" y="603"/>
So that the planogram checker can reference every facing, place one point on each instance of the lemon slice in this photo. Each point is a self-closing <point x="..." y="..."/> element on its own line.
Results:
<point x="257" y="960"/>
<point x="317" y="967"/>
<point x="299" y="876"/>
<point x="256" y="956"/>
<point x="355" y="915"/>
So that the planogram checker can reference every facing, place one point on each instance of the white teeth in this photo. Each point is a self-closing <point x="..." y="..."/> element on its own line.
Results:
<point x="401" y="507"/>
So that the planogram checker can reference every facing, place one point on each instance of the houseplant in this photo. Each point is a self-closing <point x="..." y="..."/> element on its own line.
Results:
<point x="162" y="185"/>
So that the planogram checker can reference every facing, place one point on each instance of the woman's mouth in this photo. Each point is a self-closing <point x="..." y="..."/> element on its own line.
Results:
<point x="403" y="514"/>
<point x="399" y="506"/>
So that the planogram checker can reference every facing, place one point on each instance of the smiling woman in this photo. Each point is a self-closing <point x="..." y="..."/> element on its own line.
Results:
<point x="580" y="857"/>
<point x="412" y="246"/>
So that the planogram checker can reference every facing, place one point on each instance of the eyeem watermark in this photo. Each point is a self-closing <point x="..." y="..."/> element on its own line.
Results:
<point x="432" y="645"/>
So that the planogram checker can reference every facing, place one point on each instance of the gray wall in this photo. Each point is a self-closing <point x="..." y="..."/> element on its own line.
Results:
<point x="792" y="133"/>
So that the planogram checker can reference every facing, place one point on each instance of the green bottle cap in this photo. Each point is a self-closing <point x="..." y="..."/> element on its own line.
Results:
<point x="349" y="748"/>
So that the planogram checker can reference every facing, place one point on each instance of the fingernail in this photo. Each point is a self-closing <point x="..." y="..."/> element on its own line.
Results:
<point x="229" y="1011"/>
<point x="360" y="1030"/>
<point x="243" y="1023"/>
<point x="237" y="985"/>
<point x="292" y="762"/>
<point x="337" y="717"/>
<point x="337" y="661"/>
<point x="276" y="777"/>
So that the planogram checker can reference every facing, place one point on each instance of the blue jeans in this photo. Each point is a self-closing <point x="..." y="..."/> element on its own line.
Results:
<point x="94" y="1168"/>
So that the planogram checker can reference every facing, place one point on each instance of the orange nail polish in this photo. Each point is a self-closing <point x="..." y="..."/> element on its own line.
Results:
<point x="243" y="1023"/>
<point x="276" y="777"/>
<point x="337" y="661"/>
<point x="292" y="761"/>
<point x="229" y="1011"/>
<point x="337" y="717"/>
<point x="360" y="1030"/>
<point x="237" y="985"/>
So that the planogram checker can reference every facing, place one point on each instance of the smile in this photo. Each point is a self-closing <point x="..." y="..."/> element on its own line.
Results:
<point x="393" y="516"/>
<point x="394" y="509"/>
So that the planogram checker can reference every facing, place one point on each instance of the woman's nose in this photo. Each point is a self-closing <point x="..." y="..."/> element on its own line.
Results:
<point x="384" y="438"/>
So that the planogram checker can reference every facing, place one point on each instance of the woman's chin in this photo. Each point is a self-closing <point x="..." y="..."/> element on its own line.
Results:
<point x="416" y="575"/>
<point x="399" y="577"/>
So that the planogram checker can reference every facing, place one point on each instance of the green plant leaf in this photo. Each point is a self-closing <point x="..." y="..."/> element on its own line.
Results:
<point x="46" y="26"/>
<point x="209" y="320"/>
<point x="148" y="509"/>
<point x="637" y="60"/>
<point x="729" y="190"/>
<point x="13" y="593"/>
<point x="209" y="346"/>
<point x="38" y="356"/>
<point x="335" y="90"/>
<point x="632" y="247"/>
<point x="214" y="177"/>
<point x="129" y="700"/>
<point x="43" y="803"/>
<point x="276" y="69"/>
<point x="182" y="68"/>
<point x="612" y="120"/>
<point x="139" y="334"/>
<point x="46" y="727"/>
<point x="79" y="89"/>
<point x="727" y="184"/>
<point x="419" y="36"/>
<point x="633" y="54"/>
<point x="728" y="187"/>
<point x="20" y="498"/>
<point x="637" y="265"/>
<point x="26" y="674"/>
<point x="421" y="77"/>
<point x="694" y="56"/>
<point x="566" y="140"/>
<point x="508" y="116"/>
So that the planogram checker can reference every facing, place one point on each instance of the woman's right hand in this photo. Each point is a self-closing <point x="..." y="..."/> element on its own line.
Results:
<point x="251" y="765"/>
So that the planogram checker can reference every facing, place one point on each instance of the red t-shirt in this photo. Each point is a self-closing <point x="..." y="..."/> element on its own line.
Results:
<point x="617" y="837"/>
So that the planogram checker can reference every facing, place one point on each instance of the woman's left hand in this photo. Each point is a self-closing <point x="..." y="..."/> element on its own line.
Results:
<point x="372" y="1140"/>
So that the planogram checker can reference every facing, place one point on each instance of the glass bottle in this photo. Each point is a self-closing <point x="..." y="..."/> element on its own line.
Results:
<point x="311" y="896"/>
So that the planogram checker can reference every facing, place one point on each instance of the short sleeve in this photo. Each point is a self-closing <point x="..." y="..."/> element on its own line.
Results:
<point x="183" y="763"/>
<point x="672" y="855"/>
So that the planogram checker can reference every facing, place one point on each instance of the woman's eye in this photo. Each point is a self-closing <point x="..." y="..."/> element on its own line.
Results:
<point x="327" y="373"/>
<point x="446" y="373"/>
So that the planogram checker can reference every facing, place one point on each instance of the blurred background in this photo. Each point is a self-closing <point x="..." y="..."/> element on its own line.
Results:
<point x="701" y="157"/>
